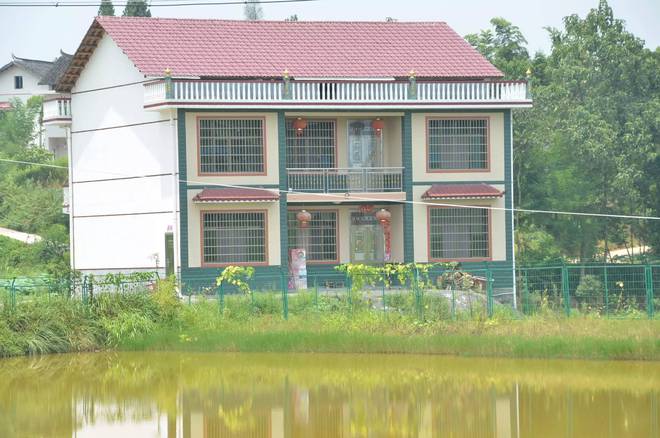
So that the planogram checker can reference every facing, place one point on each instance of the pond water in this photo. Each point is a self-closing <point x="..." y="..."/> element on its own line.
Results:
<point x="195" y="395"/>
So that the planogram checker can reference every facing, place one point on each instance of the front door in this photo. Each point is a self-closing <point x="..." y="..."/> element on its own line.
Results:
<point x="367" y="243"/>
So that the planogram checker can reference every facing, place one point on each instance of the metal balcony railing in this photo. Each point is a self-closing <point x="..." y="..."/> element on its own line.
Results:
<point x="345" y="180"/>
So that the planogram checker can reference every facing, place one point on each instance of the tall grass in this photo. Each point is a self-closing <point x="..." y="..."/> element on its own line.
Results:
<point x="316" y="323"/>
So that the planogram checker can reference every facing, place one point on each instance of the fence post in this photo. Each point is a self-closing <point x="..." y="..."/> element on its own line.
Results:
<point x="221" y="297"/>
<point x="565" y="291"/>
<point x="12" y="293"/>
<point x="649" y="290"/>
<point x="607" y="292"/>
<point x="285" y="296"/>
<point x="489" y="292"/>
<point x="316" y="293"/>
<point x="418" y="301"/>
<point x="525" y="303"/>
<point x="453" y="300"/>
<point x="83" y="293"/>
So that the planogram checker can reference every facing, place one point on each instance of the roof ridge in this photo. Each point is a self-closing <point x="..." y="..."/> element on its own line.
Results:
<point x="252" y="22"/>
<point x="30" y="60"/>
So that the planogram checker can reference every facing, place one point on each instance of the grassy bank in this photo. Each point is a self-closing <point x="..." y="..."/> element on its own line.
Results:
<point x="158" y="321"/>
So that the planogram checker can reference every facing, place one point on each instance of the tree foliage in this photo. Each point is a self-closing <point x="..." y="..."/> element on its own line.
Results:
<point x="30" y="195"/>
<point x="136" y="8"/>
<point x="590" y="143"/>
<point x="253" y="10"/>
<point x="106" y="8"/>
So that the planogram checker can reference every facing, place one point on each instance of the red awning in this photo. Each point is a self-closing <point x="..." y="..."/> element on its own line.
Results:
<point x="236" y="195"/>
<point x="5" y="106"/>
<point x="462" y="191"/>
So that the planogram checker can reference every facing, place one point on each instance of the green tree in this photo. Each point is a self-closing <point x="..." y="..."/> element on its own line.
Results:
<point x="106" y="8"/>
<point x="591" y="141"/>
<point x="136" y="8"/>
<point x="253" y="10"/>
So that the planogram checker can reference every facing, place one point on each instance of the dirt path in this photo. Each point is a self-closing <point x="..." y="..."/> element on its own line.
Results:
<point x="20" y="236"/>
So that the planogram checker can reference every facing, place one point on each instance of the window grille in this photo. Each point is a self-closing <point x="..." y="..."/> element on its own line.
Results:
<point x="321" y="235"/>
<point x="18" y="82"/>
<point x="457" y="144"/>
<point x="458" y="233"/>
<point x="234" y="237"/>
<point x="231" y="146"/>
<point x="315" y="148"/>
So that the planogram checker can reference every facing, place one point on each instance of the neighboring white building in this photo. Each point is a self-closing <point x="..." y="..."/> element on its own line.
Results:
<point x="23" y="78"/>
<point x="360" y="133"/>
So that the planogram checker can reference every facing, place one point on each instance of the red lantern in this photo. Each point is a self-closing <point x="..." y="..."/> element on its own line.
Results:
<point x="378" y="125"/>
<point x="383" y="216"/>
<point x="299" y="125"/>
<point x="304" y="217"/>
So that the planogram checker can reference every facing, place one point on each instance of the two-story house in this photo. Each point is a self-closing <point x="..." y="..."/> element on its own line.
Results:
<point x="357" y="141"/>
<point x="22" y="78"/>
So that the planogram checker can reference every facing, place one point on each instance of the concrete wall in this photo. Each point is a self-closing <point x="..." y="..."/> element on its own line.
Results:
<point x="122" y="198"/>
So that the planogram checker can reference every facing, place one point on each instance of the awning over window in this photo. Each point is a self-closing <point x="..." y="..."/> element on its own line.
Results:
<point x="236" y="195"/>
<point x="462" y="191"/>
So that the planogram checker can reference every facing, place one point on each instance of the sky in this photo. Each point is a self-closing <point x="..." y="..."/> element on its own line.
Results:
<point x="39" y="33"/>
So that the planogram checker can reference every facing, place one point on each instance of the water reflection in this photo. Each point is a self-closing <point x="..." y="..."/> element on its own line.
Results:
<point x="194" y="395"/>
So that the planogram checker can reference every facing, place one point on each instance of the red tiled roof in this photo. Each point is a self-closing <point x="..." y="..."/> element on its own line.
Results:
<point x="236" y="195"/>
<point x="225" y="48"/>
<point x="455" y="191"/>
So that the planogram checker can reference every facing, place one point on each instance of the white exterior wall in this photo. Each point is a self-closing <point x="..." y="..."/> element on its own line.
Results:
<point x="122" y="197"/>
<point x="30" y="85"/>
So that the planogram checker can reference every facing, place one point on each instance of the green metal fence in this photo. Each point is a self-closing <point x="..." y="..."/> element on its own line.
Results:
<point x="612" y="291"/>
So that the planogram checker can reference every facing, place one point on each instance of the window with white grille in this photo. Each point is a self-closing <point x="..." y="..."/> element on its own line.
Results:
<point x="321" y="235"/>
<point x="231" y="146"/>
<point x="458" y="233"/>
<point x="315" y="147"/>
<point x="457" y="144"/>
<point x="234" y="237"/>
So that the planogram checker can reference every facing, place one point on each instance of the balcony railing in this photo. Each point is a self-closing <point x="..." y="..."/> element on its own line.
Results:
<point x="346" y="180"/>
<point x="286" y="93"/>
<point x="57" y="111"/>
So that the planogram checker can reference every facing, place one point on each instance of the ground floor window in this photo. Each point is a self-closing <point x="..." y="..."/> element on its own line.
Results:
<point x="458" y="233"/>
<point x="234" y="237"/>
<point x="319" y="238"/>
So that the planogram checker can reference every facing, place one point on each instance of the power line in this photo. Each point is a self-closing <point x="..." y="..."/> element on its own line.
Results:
<point x="156" y="3"/>
<point x="340" y="196"/>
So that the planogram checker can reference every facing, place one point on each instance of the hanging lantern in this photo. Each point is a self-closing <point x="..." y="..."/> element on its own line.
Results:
<point x="383" y="216"/>
<point x="378" y="125"/>
<point x="304" y="217"/>
<point x="299" y="125"/>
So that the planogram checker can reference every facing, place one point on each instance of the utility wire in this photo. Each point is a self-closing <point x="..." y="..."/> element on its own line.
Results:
<point x="341" y="196"/>
<point x="155" y="3"/>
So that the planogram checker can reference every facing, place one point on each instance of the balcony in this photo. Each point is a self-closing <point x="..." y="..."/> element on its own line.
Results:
<point x="57" y="111"/>
<point x="335" y="94"/>
<point x="352" y="183"/>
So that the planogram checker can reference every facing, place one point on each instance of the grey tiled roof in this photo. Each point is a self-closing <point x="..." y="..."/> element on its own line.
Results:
<point x="36" y="66"/>
<point x="56" y="70"/>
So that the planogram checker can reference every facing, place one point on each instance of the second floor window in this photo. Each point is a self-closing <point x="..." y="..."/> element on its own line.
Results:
<point x="457" y="144"/>
<point x="314" y="148"/>
<point x="18" y="82"/>
<point x="231" y="146"/>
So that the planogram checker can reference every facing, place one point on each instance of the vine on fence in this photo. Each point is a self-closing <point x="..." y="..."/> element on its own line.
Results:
<point x="361" y="275"/>
<point x="237" y="276"/>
